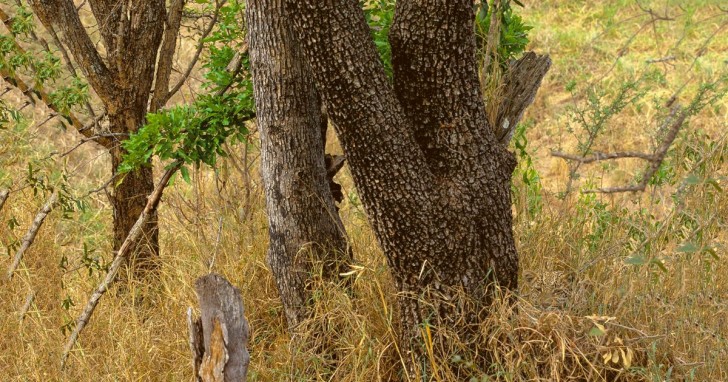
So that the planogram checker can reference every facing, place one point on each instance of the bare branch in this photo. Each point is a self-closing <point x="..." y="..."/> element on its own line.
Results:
<point x="673" y="123"/>
<point x="596" y="157"/>
<point x="661" y="59"/>
<point x="63" y="13"/>
<point x="32" y="231"/>
<point x="198" y="51"/>
<point x="119" y="259"/>
<point x="26" y="307"/>
<point x="521" y="84"/>
<point x="166" y="54"/>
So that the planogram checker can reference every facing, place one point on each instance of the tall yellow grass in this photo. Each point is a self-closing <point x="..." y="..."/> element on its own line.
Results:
<point x="582" y="313"/>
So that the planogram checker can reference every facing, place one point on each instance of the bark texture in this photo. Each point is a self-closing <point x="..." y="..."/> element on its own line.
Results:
<point x="304" y="226"/>
<point x="433" y="178"/>
<point x="219" y="338"/>
<point x="132" y="33"/>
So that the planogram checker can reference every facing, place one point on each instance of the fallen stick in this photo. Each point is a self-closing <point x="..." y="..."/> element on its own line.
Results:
<point x="32" y="231"/>
<point x="28" y="303"/>
<point x="121" y="256"/>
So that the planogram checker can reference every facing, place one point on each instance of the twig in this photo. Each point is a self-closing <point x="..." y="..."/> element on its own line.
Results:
<point x="661" y="59"/>
<point x="119" y="259"/>
<point x="32" y="231"/>
<point x="603" y="156"/>
<point x="28" y="303"/>
<point x="193" y="62"/>
<point x="675" y="121"/>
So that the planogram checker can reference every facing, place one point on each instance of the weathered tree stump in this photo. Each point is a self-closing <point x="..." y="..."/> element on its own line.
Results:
<point x="219" y="338"/>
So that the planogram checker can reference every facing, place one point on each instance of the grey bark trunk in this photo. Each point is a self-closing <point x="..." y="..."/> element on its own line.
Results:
<point x="304" y="226"/>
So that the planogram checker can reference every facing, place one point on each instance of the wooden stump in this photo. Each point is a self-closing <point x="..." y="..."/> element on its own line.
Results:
<point x="219" y="337"/>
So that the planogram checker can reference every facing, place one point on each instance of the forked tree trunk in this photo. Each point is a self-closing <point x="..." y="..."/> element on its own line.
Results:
<point x="433" y="178"/>
<point x="131" y="33"/>
<point x="304" y="226"/>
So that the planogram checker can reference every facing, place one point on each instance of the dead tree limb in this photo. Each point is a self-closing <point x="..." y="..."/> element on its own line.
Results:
<point x="32" y="231"/>
<point x="219" y="338"/>
<point x="119" y="259"/>
<point x="673" y="123"/>
<point x="26" y="307"/>
<point x="522" y="81"/>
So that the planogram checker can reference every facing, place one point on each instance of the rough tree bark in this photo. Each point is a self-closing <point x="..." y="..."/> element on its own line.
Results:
<point x="131" y="33"/>
<point x="304" y="225"/>
<point x="433" y="178"/>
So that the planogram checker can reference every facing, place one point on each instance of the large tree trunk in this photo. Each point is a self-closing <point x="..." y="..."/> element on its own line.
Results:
<point x="131" y="33"/>
<point x="432" y="176"/>
<point x="128" y="200"/>
<point x="304" y="226"/>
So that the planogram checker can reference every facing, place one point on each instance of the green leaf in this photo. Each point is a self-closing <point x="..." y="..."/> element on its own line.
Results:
<point x="596" y="331"/>
<point x="185" y="174"/>
<point x="688" y="248"/>
<point x="635" y="260"/>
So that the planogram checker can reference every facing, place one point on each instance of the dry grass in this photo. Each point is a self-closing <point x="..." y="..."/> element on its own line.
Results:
<point x="580" y="299"/>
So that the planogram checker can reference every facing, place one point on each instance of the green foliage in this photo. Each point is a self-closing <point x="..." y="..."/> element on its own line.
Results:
<point x="526" y="176"/>
<point x="195" y="133"/>
<point x="191" y="133"/>
<point x="513" y="32"/>
<point x="379" y="15"/>
<point x="69" y="96"/>
<point x="22" y="22"/>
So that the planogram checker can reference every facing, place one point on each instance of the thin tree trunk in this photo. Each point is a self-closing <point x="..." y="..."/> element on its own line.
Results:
<point x="128" y="200"/>
<point x="304" y="226"/>
<point x="131" y="33"/>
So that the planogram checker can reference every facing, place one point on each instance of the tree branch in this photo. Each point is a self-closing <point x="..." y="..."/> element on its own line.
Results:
<point x="32" y="231"/>
<point x="66" y="58"/>
<point x="522" y="81"/>
<point x="69" y="118"/>
<point x="120" y="258"/>
<point x="198" y="51"/>
<point x="3" y="197"/>
<point x="63" y="14"/>
<point x="166" y="54"/>
<point x="675" y="121"/>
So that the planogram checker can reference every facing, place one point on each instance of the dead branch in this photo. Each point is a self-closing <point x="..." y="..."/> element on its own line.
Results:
<point x="26" y="307"/>
<point x="673" y="123"/>
<point x="32" y="231"/>
<point x="596" y="157"/>
<point x="119" y="259"/>
<point x="166" y="54"/>
<point x="521" y="84"/>
<point x="198" y="51"/>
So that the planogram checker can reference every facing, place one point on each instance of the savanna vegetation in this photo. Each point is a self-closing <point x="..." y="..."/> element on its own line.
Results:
<point x="618" y="199"/>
